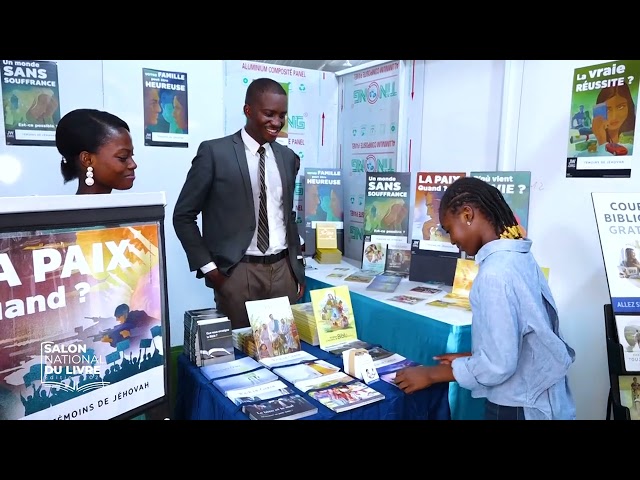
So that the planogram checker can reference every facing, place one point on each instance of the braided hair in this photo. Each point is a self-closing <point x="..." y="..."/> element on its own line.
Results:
<point x="487" y="199"/>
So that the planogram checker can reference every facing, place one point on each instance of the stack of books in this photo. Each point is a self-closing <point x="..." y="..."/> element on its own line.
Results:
<point x="191" y="347"/>
<point x="328" y="256"/>
<point x="243" y="341"/>
<point x="327" y="244"/>
<point x="305" y="322"/>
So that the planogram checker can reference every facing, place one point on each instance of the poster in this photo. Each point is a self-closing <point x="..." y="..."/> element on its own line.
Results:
<point x="166" y="109"/>
<point x="618" y="222"/>
<point x="427" y="231"/>
<point x="602" y="120"/>
<point x="369" y="109"/>
<point x="386" y="207"/>
<point x="515" y="188"/>
<point x="80" y="322"/>
<point x="31" y="102"/>
<point x="323" y="198"/>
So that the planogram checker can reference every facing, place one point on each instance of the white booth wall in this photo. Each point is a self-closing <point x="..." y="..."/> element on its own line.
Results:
<point x="562" y="223"/>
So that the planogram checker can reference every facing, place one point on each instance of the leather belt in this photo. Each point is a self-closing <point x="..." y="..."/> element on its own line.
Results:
<point x="265" y="259"/>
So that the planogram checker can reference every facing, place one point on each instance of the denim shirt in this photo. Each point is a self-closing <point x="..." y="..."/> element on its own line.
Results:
<point x="518" y="356"/>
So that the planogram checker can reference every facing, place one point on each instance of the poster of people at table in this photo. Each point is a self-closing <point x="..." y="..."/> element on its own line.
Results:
<point x="31" y="102"/>
<point x="166" y="110"/>
<point x="81" y="328"/>
<point x="602" y="120"/>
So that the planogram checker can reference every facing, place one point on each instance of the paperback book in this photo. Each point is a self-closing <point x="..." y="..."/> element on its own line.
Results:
<point x="291" y="407"/>
<point x="343" y="397"/>
<point x="273" y="327"/>
<point x="244" y="380"/>
<point x="234" y="367"/>
<point x="306" y="371"/>
<point x="334" y="316"/>
<point x="257" y="393"/>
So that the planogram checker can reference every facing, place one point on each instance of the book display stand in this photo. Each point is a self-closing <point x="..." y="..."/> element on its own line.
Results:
<point x="620" y="244"/>
<point x="618" y="374"/>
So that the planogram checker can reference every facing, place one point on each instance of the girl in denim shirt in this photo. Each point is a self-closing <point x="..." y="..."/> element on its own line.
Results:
<point x="519" y="360"/>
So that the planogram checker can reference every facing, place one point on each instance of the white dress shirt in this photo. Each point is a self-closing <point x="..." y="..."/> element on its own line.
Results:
<point x="277" y="228"/>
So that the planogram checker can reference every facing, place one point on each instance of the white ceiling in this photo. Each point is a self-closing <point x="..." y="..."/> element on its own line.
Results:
<point x="324" y="65"/>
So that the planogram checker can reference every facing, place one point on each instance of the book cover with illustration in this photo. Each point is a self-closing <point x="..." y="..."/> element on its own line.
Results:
<point x="291" y="407"/>
<point x="427" y="229"/>
<point x="274" y="330"/>
<point x="348" y="396"/>
<point x="628" y="329"/>
<point x="374" y="256"/>
<point x="334" y="316"/>
<point x="629" y="389"/>
<point x="466" y="272"/>
<point x="618" y="225"/>
<point x="398" y="259"/>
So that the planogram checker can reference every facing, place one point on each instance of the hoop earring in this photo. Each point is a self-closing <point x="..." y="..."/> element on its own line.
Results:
<point x="89" y="180"/>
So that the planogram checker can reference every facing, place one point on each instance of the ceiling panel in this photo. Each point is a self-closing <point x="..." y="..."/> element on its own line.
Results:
<point x="324" y="65"/>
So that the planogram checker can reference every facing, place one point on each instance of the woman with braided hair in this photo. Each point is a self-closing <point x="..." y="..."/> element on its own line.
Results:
<point x="518" y="359"/>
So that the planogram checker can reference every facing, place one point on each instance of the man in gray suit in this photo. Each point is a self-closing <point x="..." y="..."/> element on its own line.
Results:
<point x="224" y="184"/>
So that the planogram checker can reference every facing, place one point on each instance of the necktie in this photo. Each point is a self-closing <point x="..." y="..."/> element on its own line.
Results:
<point x="263" y="222"/>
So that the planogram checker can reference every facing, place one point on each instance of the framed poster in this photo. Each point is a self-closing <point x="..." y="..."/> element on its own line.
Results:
<point x="83" y="307"/>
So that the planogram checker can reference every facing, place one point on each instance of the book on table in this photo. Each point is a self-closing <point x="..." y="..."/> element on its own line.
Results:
<point x="257" y="393"/>
<point x="215" y="341"/>
<point x="291" y="407"/>
<point x="274" y="330"/>
<point x="234" y="367"/>
<point x="305" y="371"/>
<point x="335" y="322"/>
<point x="244" y="380"/>
<point x="339" y="396"/>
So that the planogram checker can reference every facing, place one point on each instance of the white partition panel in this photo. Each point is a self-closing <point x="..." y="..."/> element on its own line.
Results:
<point x="165" y="168"/>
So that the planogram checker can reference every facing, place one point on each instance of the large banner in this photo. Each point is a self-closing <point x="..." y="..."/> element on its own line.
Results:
<point x="80" y="322"/>
<point x="166" y="110"/>
<point x="369" y="107"/>
<point x="31" y="101"/>
<point x="618" y="221"/>
<point x="602" y="121"/>
<point x="312" y="112"/>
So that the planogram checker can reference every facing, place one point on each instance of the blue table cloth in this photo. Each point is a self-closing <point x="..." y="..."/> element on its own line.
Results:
<point x="198" y="399"/>
<point x="413" y="336"/>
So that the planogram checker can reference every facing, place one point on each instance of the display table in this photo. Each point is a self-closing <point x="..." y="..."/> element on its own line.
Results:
<point x="417" y="332"/>
<point x="198" y="399"/>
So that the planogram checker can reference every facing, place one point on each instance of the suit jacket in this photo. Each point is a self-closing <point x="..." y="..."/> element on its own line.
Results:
<point x="218" y="185"/>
